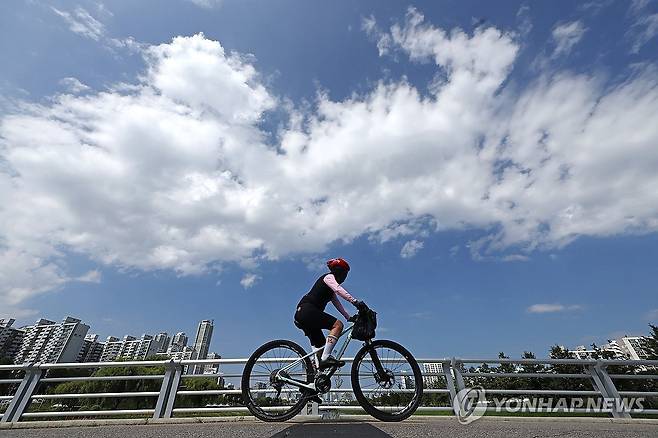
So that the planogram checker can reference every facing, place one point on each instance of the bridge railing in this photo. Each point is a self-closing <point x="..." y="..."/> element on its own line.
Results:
<point x="163" y="382"/>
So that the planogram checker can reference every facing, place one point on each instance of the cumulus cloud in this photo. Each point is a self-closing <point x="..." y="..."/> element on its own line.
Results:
<point x="552" y="308"/>
<point x="174" y="171"/>
<point x="410" y="249"/>
<point x="566" y="36"/>
<point x="249" y="280"/>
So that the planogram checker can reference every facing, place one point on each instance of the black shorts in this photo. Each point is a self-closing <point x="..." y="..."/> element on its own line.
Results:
<point x="312" y="320"/>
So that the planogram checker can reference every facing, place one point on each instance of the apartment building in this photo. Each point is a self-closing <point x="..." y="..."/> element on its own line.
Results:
<point x="91" y="350"/>
<point x="11" y="339"/>
<point x="49" y="342"/>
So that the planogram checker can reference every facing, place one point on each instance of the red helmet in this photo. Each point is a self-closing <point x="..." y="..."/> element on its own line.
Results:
<point x="338" y="263"/>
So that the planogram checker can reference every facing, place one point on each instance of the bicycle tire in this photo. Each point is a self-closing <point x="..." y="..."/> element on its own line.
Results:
<point x="255" y="410"/>
<point x="363" y="400"/>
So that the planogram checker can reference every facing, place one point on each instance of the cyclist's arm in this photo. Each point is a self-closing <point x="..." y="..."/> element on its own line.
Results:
<point x="340" y="307"/>
<point x="339" y="290"/>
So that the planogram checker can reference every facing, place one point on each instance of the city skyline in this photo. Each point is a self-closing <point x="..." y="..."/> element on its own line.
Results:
<point x="624" y="347"/>
<point x="48" y="341"/>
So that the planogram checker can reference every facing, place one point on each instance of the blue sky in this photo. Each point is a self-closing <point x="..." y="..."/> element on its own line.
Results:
<point x="488" y="169"/>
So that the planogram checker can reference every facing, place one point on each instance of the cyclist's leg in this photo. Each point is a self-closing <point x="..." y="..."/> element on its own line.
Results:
<point x="329" y="322"/>
<point x="332" y="338"/>
<point x="313" y="320"/>
<point x="306" y="320"/>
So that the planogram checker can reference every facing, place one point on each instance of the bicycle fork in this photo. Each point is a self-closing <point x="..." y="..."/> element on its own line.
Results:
<point x="381" y="374"/>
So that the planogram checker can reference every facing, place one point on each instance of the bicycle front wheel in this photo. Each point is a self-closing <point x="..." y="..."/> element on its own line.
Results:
<point x="267" y="397"/>
<point x="387" y="381"/>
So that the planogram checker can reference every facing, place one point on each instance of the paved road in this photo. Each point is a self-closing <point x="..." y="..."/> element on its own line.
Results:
<point x="437" y="428"/>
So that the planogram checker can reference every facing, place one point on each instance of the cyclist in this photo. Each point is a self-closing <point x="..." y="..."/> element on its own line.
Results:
<point x="311" y="317"/>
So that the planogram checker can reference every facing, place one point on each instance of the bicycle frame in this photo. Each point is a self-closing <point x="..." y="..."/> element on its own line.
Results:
<point x="330" y="371"/>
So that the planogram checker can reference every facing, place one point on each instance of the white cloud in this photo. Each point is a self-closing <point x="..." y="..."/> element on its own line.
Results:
<point x="208" y="4"/>
<point x="174" y="172"/>
<point x="594" y="7"/>
<point x="129" y="44"/>
<point x="516" y="258"/>
<point x="637" y="6"/>
<point x="17" y="312"/>
<point x="644" y="27"/>
<point x="524" y="21"/>
<point x="552" y="308"/>
<point x="566" y="36"/>
<point x="422" y="315"/>
<point x="369" y="24"/>
<point x="484" y="58"/>
<point x="248" y="280"/>
<point x="415" y="227"/>
<point x="82" y="23"/>
<point x="411" y="248"/>
<point x="73" y="85"/>
<point x="93" y="276"/>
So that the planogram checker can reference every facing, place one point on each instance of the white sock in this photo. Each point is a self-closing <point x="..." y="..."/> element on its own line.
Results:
<point x="328" y="347"/>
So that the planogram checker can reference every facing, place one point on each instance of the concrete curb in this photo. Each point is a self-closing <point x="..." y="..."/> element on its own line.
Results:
<point x="572" y="420"/>
<point x="121" y="422"/>
<point x="303" y="419"/>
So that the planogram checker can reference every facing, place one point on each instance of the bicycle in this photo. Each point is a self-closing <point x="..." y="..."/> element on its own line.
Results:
<point x="272" y="388"/>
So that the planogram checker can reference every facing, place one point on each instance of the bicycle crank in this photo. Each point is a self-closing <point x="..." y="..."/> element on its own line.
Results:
<point x="323" y="383"/>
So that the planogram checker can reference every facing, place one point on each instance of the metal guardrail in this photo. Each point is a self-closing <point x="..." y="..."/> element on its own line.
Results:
<point x="454" y="373"/>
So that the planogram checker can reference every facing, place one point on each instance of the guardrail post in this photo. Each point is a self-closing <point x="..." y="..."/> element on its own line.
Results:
<point x="606" y="386"/>
<point x="311" y="409"/>
<point x="450" y="382"/>
<point x="23" y="394"/>
<point x="165" y="404"/>
<point x="459" y="383"/>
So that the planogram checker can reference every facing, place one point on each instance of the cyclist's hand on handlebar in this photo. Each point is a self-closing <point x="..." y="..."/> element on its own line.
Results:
<point x="360" y="305"/>
<point x="352" y="318"/>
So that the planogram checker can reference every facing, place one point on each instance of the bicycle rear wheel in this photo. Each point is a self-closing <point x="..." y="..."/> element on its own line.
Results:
<point x="266" y="397"/>
<point x="394" y="392"/>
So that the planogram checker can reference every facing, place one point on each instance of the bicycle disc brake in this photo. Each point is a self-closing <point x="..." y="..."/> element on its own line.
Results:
<point x="386" y="379"/>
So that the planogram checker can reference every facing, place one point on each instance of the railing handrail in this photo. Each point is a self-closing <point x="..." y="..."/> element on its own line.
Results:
<point x="237" y="361"/>
<point x="454" y="371"/>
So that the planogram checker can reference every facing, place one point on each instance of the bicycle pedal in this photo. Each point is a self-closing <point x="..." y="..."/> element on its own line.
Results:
<point x="313" y="397"/>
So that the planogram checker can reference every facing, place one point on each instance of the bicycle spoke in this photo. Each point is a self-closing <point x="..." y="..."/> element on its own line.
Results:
<point x="269" y="396"/>
<point x="390" y="393"/>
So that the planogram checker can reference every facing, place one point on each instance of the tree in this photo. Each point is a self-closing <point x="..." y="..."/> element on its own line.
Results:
<point x="600" y="353"/>
<point x="104" y="386"/>
<point x="507" y="368"/>
<point x="8" y="388"/>
<point x="651" y="342"/>
<point x="533" y="368"/>
<point x="578" y="384"/>
<point x="200" y="384"/>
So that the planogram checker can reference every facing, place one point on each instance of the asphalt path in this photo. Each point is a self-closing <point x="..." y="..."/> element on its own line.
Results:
<point x="486" y="428"/>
